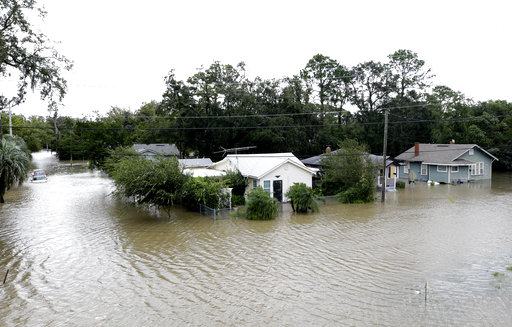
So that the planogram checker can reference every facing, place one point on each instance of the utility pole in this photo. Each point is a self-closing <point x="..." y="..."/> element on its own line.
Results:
<point x="385" y="145"/>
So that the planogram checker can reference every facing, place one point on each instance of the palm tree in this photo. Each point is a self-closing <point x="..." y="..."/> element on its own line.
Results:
<point x="13" y="166"/>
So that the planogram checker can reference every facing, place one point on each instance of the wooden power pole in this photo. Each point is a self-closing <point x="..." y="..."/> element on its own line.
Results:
<point x="384" y="149"/>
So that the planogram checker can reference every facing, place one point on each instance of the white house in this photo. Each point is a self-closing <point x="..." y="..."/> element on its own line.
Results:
<point x="274" y="172"/>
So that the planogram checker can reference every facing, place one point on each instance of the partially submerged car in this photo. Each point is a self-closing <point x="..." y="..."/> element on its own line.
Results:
<point x="39" y="176"/>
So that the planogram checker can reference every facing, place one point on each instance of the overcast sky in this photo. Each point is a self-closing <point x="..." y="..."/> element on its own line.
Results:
<point x="123" y="49"/>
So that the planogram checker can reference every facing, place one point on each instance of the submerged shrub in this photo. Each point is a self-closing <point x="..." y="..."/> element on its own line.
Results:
<point x="203" y="190"/>
<point x="260" y="206"/>
<point x="400" y="184"/>
<point x="355" y="195"/>
<point x="302" y="198"/>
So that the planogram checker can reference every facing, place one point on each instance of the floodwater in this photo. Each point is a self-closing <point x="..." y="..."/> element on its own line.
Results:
<point x="79" y="257"/>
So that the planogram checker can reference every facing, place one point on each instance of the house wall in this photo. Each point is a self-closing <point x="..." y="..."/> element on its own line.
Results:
<point x="446" y="177"/>
<point x="479" y="156"/>
<point x="414" y="167"/>
<point x="289" y="174"/>
<point x="225" y="166"/>
<point x="438" y="176"/>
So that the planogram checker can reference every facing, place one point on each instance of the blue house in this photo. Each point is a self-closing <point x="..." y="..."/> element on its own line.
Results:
<point x="446" y="163"/>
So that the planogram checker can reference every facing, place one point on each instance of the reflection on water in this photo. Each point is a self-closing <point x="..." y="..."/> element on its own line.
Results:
<point x="78" y="256"/>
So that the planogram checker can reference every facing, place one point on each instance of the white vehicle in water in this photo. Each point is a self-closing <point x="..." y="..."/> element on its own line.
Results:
<point x="39" y="176"/>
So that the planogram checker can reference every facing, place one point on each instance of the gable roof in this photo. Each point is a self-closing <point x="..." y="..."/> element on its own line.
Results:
<point x="440" y="153"/>
<point x="258" y="165"/>
<point x="157" y="148"/>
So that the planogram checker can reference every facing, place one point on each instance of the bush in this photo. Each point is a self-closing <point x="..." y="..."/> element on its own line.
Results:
<point x="203" y="190"/>
<point x="150" y="182"/>
<point x="260" y="206"/>
<point x="235" y="180"/>
<point x="302" y="198"/>
<point x="355" y="195"/>
<point x="237" y="200"/>
<point x="400" y="184"/>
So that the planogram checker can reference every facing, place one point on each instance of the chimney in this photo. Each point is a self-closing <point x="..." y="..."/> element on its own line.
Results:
<point x="328" y="150"/>
<point x="416" y="149"/>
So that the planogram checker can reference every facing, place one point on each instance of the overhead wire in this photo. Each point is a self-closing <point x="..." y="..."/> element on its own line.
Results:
<point x="130" y="128"/>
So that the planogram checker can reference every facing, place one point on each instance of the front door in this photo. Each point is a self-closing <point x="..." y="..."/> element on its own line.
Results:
<point x="278" y="190"/>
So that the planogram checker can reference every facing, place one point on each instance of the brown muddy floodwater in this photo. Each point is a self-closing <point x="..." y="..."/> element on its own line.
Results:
<point x="79" y="257"/>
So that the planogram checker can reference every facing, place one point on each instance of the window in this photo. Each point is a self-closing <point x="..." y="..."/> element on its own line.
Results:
<point x="442" y="169"/>
<point x="423" y="169"/>
<point x="476" y="169"/>
<point x="455" y="169"/>
<point x="480" y="166"/>
<point x="254" y="183"/>
<point x="266" y="186"/>
<point x="471" y="152"/>
<point x="406" y="168"/>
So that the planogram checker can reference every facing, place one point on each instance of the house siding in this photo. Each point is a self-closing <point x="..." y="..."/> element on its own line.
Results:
<point x="479" y="156"/>
<point x="438" y="176"/>
<point x="414" y="167"/>
<point x="289" y="174"/>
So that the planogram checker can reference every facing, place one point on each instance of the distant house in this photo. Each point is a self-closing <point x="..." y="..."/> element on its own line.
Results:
<point x="195" y="163"/>
<point x="391" y="165"/>
<point x="150" y="151"/>
<point x="446" y="163"/>
<point x="274" y="172"/>
<point x="199" y="167"/>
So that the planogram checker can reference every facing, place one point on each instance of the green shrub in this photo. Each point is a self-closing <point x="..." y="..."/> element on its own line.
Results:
<point x="260" y="206"/>
<point x="302" y="198"/>
<point x="400" y="184"/>
<point x="355" y="195"/>
<point x="237" y="200"/>
<point x="203" y="190"/>
<point x="235" y="180"/>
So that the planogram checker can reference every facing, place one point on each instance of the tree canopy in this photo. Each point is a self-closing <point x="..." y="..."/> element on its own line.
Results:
<point x="28" y="56"/>
<point x="324" y="104"/>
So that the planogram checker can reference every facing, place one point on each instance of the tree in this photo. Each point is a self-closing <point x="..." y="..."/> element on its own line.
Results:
<point x="349" y="172"/>
<point x="14" y="163"/>
<point x="28" y="56"/>
<point x="372" y="83"/>
<point x="320" y="76"/>
<point x="158" y="183"/>
<point x="409" y="77"/>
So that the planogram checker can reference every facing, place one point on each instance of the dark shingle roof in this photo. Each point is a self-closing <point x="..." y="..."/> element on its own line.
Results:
<point x="439" y="153"/>
<point x="161" y="149"/>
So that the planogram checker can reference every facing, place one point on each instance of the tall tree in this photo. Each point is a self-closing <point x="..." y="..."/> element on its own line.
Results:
<point x="320" y="76"/>
<point x="372" y="84"/>
<point x="28" y="55"/>
<point x="410" y="77"/>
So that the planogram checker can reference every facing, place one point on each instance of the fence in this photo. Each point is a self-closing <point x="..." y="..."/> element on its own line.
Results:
<point x="212" y="212"/>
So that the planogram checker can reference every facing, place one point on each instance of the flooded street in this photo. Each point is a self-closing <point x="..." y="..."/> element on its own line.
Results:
<point x="79" y="257"/>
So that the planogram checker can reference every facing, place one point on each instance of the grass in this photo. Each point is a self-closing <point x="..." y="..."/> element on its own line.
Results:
<point x="509" y="268"/>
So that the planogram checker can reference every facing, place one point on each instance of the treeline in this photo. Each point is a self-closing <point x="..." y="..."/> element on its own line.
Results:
<point x="324" y="104"/>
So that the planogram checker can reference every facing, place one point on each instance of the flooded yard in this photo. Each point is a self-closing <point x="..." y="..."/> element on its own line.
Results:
<point x="79" y="257"/>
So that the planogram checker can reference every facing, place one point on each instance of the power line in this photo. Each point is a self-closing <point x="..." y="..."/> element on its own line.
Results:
<point x="418" y="121"/>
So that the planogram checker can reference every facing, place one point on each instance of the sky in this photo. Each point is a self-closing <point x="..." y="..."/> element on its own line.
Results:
<point x="123" y="49"/>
